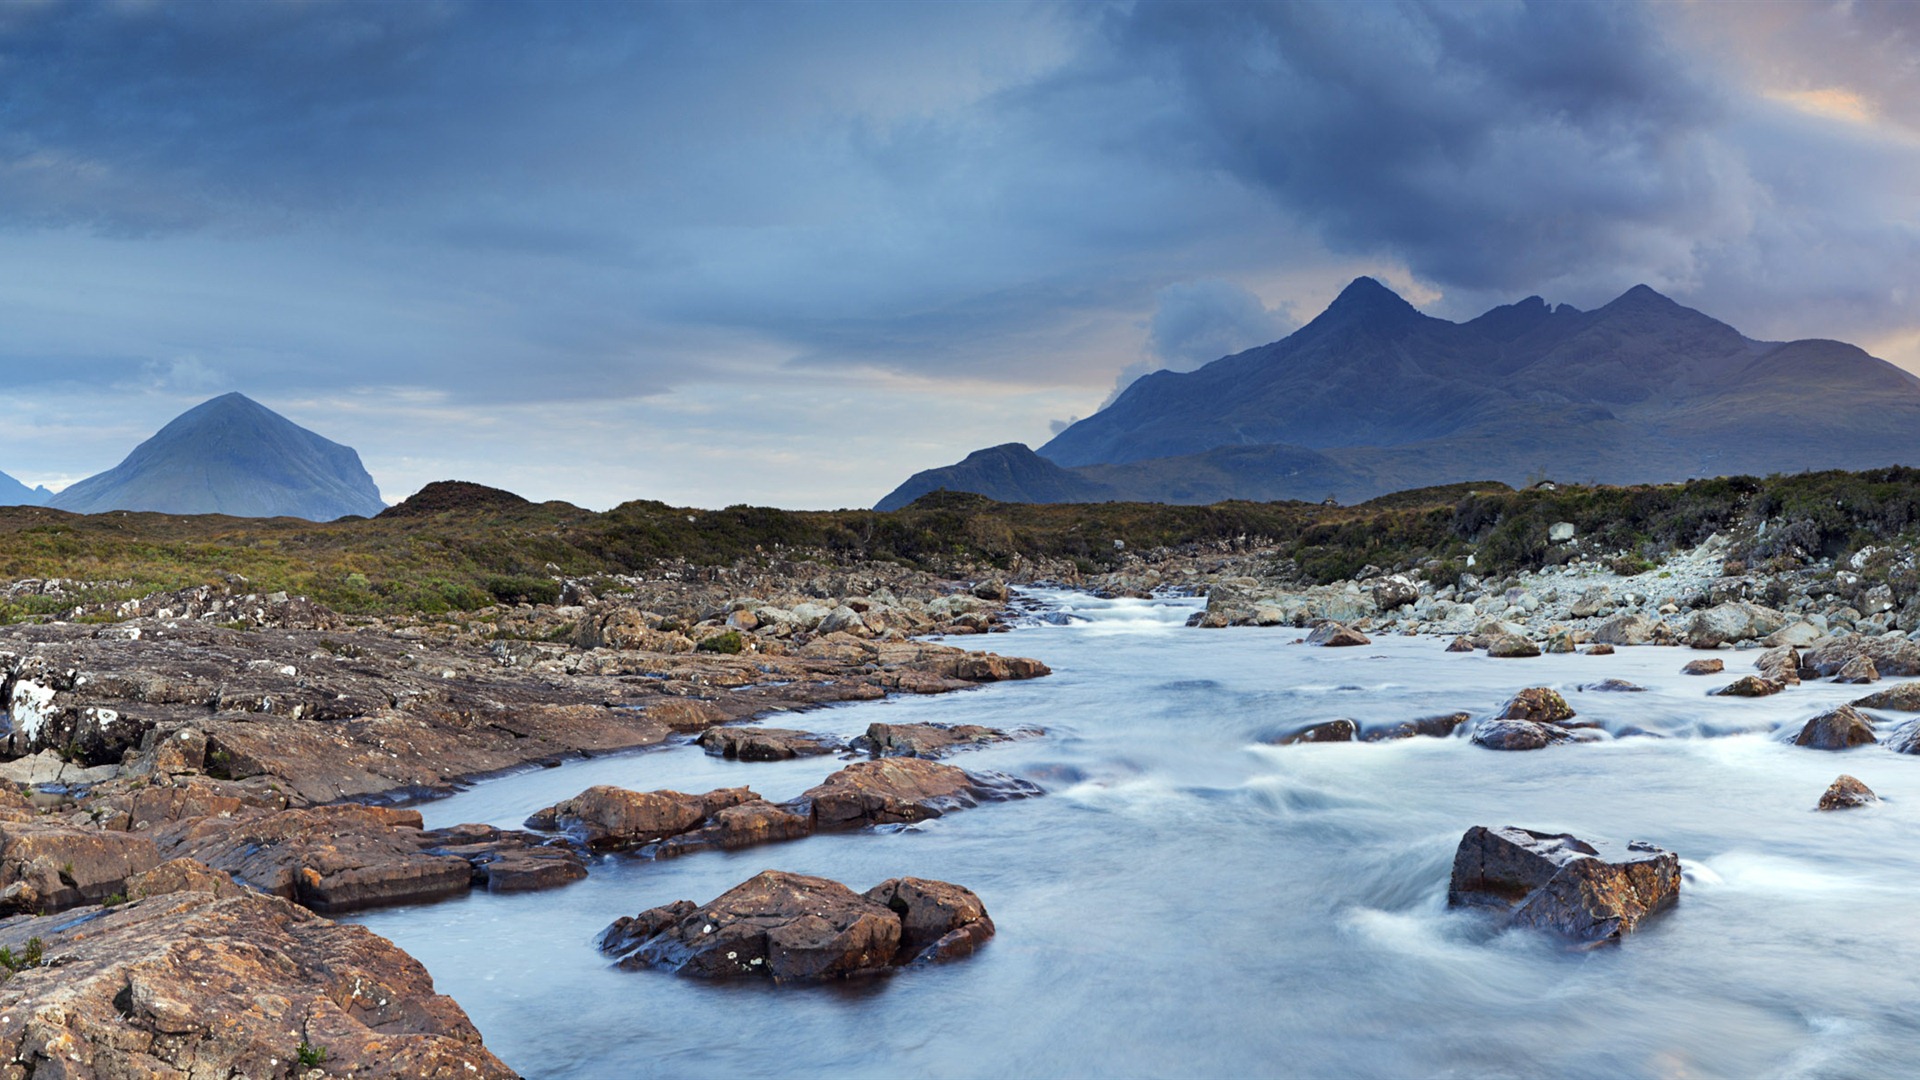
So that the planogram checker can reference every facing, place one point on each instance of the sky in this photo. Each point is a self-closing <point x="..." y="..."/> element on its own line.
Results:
<point x="788" y="254"/>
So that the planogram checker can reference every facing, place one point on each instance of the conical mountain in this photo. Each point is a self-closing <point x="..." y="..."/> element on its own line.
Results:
<point x="1372" y="397"/>
<point x="15" y="493"/>
<point x="232" y="456"/>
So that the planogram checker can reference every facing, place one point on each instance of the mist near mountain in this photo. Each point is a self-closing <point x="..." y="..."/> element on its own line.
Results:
<point x="1373" y="396"/>
<point x="233" y="456"/>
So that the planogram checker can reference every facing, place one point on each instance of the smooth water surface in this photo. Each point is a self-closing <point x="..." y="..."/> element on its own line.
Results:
<point x="1186" y="901"/>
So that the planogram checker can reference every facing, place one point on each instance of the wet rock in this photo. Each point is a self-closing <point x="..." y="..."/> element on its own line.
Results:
<point x="778" y="925"/>
<point x="1704" y="667"/>
<point x="1332" y="634"/>
<point x="1780" y="664"/>
<point x="1462" y="643"/>
<point x="765" y="744"/>
<point x="1591" y="892"/>
<point x="890" y="791"/>
<point x="1341" y="730"/>
<point x="329" y="858"/>
<point x="191" y="979"/>
<point x="1896" y="657"/>
<point x="1539" y="704"/>
<point x="926" y="740"/>
<point x="1614" y="686"/>
<point x="1627" y="629"/>
<point x="1905" y="739"/>
<point x="1748" y="686"/>
<point x="1730" y="622"/>
<point x="608" y="818"/>
<point x="1434" y="727"/>
<point x="1600" y="649"/>
<point x="1858" y="670"/>
<point x="507" y="860"/>
<point x="938" y="921"/>
<point x="1846" y="793"/>
<point x="1560" y="641"/>
<point x="1836" y="729"/>
<point x="1799" y="633"/>
<point x="46" y="866"/>
<point x="1511" y="645"/>
<point x="1901" y="697"/>
<point x="1518" y="735"/>
<point x="987" y="667"/>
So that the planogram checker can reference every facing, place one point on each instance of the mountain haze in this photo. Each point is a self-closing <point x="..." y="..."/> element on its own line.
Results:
<point x="232" y="456"/>
<point x="1373" y="396"/>
<point x="15" y="493"/>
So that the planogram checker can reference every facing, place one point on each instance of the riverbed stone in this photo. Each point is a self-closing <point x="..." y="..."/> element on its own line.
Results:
<point x="1859" y="670"/>
<point x="939" y="921"/>
<point x="789" y="927"/>
<point x="1900" y="697"/>
<point x="608" y="818"/>
<point x="1836" y="729"/>
<point x="1846" y="793"/>
<point x="1342" y="730"/>
<point x="1508" y="646"/>
<point x="1518" y="735"/>
<point x="1539" y="704"/>
<point x="1704" y="667"/>
<point x="765" y="744"/>
<point x="1435" y="727"/>
<point x="1630" y="628"/>
<point x="1614" y="686"/>
<point x="1895" y="656"/>
<point x="890" y="791"/>
<point x="1333" y="634"/>
<point x="508" y="860"/>
<point x="927" y="740"/>
<point x="1748" y="686"/>
<point x="1592" y="892"/>
<point x="1463" y="643"/>
<point x="1779" y="664"/>
<point x="1731" y="622"/>
<point x="1599" y="649"/>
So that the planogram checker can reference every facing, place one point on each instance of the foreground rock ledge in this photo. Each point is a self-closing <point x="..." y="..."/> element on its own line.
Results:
<point x="792" y="927"/>
<point x="196" y="976"/>
<point x="1591" y="892"/>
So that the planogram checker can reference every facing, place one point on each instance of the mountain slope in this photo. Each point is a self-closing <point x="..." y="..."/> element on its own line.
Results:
<point x="232" y="456"/>
<point x="1372" y="396"/>
<point x="15" y="493"/>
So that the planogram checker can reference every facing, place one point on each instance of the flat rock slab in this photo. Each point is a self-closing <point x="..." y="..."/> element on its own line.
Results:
<point x="608" y="818"/>
<point x="1591" y="892"/>
<point x="194" y="976"/>
<point x="895" y="791"/>
<point x="793" y="927"/>
<point x="47" y="866"/>
<point x="507" y="860"/>
<point x="1432" y="727"/>
<point x="930" y="740"/>
<point x="766" y="744"/>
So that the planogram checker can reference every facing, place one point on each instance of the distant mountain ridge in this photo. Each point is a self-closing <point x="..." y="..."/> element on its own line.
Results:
<point x="1373" y="396"/>
<point x="233" y="456"/>
<point x="15" y="493"/>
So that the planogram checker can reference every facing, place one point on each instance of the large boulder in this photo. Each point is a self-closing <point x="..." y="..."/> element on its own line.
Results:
<point x="1895" y="656"/>
<point x="1857" y="671"/>
<point x="1394" y="591"/>
<point x="1539" y="704"/>
<point x="1732" y="621"/>
<point x="1333" y="634"/>
<point x="891" y="791"/>
<point x="1592" y="892"/>
<point x="1836" y="729"/>
<point x="1797" y="633"/>
<point x="1779" y="664"/>
<point x="607" y="818"/>
<point x="1901" y="697"/>
<point x="1625" y="629"/>
<point x="1510" y="645"/>
<point x="1434" y="727"/>
<point x="792" y="927"/>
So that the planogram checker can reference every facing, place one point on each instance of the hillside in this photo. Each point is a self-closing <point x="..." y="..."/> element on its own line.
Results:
<point x="15" y="493"/>
<point x="236" y="457"/>
<point x="1372" y="396"/>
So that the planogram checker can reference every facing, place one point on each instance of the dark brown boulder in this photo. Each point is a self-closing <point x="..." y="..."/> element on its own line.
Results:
<point x="765" y="744"/>
<point x="1704" y="667"/>
<point x="607" y="818"/>
<point x="1836" y="729"/>
<point x="46" y="867"/>
<point x="889" y="791"/>
<point x="1858" y="670"/>
<point x="938" y="921"/>
<point x="1901" y="697"/>
<point x="1591" y="892"/>
<point x="1748" y="686"/>
<point x="1599" y="649"/>
<point x="1342" y="730"/>
<point x="926" y="740"/>
<point x="1433" y="727"/>
<point x="1333" y="634"/>
<point x="779" y="925"/>
<point x="1846" y="793"/>
<point x="1511" y="646"/>
<point x="1463" y="643"/>
<point x="1518" y="735"/>
<point x="1538" y="704"/>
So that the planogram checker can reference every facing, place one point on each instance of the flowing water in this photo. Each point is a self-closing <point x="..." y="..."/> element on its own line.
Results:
<point x="1186" y="901"/>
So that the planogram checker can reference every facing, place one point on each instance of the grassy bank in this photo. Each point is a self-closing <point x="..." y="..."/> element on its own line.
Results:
<point x="462" y="546"/>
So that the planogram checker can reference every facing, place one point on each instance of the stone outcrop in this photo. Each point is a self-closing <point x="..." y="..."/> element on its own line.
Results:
<point x="1591" y="892"/>
<point x="894" y="791"/>
<point x="766" y="744"/>
<point x="194" y="976"/>
<point x="1846" y="793"/>
<point x="47" y="866"/>
<point x="792" y="927"/>
<point x="929" y="740"/>
<point x="1901" y="697"/>
<point x="608" y="818"/>
<point x="1836" y="729"/>
<point x="1332" y="634"/>
<point x="505" y="860"/>
<point x="1539" y="704"/>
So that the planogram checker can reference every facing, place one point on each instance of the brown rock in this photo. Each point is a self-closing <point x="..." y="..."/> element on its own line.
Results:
<point x="1510" y="646"/>
<point x="1846" y="793"/>
<point x="1704" y="667"/>
<point x="607" y="818"/>
<point x="1333" y="634"/>
<point x="1781" y="665"/>
<point x="1600" y="649"/>
<point x="47" y="867"/>
<point x="1540" y="704"/>
<point x="195" y="982"/>
<point x="1434" y="727"/>
<point x="1891" y="656"/>
<point x="686" y="715"/>
<point x="1593" y="893"/>
<point x="938" y="921"/>
<point x="926" y="740"/>
<point x="1518" y="735"/>
<point x="506" y="860"/>
<point x="1836" y="729"/>
<point x="1462" y="643"/>
<point x="1748" y="686"/>
<point x="889" y="791"/>
<point x="987" y="667"/>
<point x="1341" y="730"/>
<point x="181" y="875"/>
<point x="1860" y="669"/>
<point x="779" y="925"/>
<point x="765" y="744"/>
<point x="1902" y="697"/>
<point x="1614" y="686"/>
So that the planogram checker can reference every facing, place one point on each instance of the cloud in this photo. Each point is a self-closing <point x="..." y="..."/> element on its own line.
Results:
<point x="1198" y="322"/>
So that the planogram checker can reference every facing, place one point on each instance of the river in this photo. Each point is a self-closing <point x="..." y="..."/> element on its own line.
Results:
<point x="1186" y="901"/>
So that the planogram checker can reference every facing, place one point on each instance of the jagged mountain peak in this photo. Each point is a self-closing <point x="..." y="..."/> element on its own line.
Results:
<point x="1367" y="297"/>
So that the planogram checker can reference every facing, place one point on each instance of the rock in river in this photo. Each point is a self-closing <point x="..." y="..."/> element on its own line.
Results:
<point x="607" y="818"/>
<point x="1341" y="730"/>
<point x="765" y="744"/>
<point x="1858" y="670"/>
<point x="1901" y="697"/>
<point x="926" y="740"/>
<point x="795" y="927"/>
<point x="1846" y="793"/>
<point x="1435" y="727"/>
<point x="1518" y="735"/>
<point x="1836" y="729"/>
<point x="1333" y="633"/>
<point x="1510" y="645"/>
<point x="1592" y="892"/>
<point x="1540" y="704"/>
<point x="1704" y="667"/>
<point x="899" y="790"/>
<point x="1748" y="686"/>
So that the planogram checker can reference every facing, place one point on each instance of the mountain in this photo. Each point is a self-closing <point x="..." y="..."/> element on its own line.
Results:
<point x="15" y="493"/>
<point x="232" y="456"/>
<point x="1372" y="397"/>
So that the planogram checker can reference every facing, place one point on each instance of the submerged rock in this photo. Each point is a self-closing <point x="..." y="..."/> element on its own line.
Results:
<point x="1341" y="730"/>
<point x="1704" y="667"/>
<point x="1540" y="704"/>
<point x="1518" y="735"/>
<point x="793" y="927"/>
<point x="1614" y="686"/>
<point x="1592" y="892"/>
<point x="1846" y="793"/>
<point x="1333" y="634"/>
<point x="1433" y="727"/>
<point x="1748" y="686"/>
<point x="1462" y="643"/>
<point x="1836" y="729"/>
